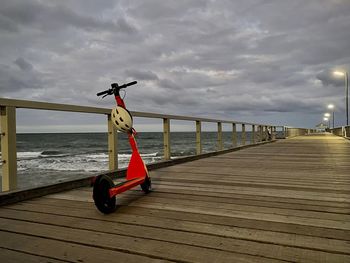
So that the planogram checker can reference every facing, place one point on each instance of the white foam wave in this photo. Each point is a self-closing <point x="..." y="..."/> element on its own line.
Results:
<point x="25" y="155"/>
<point x="145" y="155"/>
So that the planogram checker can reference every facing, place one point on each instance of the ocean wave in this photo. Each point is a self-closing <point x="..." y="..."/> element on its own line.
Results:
<point x="53" y="154"/>
<point x="44" y="154"/>
<point x="90" y="162"/>
<point x="144" y="155"/>
<point x="28" y="155"/>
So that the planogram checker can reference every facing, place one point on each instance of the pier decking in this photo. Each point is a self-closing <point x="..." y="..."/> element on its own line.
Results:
<point x="287" y="201"/>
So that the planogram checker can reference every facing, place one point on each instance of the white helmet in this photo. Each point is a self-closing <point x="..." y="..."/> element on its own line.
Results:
<point x="121" y="119"/>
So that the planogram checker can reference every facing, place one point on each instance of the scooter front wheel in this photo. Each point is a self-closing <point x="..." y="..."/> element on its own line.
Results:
<point x="102" y="199"/>
<point x="146" y="186"/>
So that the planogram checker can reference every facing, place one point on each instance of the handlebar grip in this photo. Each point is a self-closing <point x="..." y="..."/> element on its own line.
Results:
<point x="131" y="83"/>
<point x="127" y="84"/>
<point x="102" y="92"/>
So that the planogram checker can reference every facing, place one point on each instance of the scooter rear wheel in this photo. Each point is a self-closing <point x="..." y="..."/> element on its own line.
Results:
<point x="103" y="201"/>
<point x="146" y="186"/>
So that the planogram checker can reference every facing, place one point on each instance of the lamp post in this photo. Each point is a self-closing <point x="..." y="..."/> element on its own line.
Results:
<point x="345" y="74"/>
<point x="331" y="107"/>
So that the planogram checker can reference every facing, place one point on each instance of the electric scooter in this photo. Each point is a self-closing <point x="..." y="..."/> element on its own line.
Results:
<point x="104" y="190"/>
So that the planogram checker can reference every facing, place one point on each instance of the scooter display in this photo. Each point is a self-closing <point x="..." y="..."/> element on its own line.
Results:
<point x="104" y="190"/>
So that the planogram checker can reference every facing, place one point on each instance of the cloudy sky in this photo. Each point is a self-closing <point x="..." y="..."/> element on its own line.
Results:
<point x="254" y="60"/>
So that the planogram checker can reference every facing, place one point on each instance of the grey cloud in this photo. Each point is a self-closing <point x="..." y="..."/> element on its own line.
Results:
<point x="233" y="58"/>
<point x="141" y="74"/>
<point x="158" y="9"/>
<point x="23" y="64"/>
<point x="170" y="84"/>
<point x="55" y="17"/>
<point x="7" y="24"/>
<point x="125" y="26"/>
<point x="12" y="80"/>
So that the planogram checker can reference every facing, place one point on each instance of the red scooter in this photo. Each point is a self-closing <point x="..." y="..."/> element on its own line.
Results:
<point x="105" y="191"/>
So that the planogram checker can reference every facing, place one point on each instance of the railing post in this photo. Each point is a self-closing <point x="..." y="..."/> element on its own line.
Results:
<point x="271" y="132"/>
<point x="234" y="135"/>
<point x="198" y="137"/>
<point x="243" y="139"/>
<point x="261" y="128"/>
<point x="166" y="138"/>
<point x="253" y="134"/>
<point x="274" y="133"/>
<point x="8" y="148"/>
<point x="112" y="145"/>
<point x="220" y="145"/>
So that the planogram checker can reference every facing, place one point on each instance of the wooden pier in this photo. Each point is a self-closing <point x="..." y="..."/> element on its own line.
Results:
<point x="287" y="201"/>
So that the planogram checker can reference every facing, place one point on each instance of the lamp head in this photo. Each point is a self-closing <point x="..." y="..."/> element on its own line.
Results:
<point x="338" y="73"/>
<point x="330" y="106"/>
<point x="327" y="114"/>
<point x="325" y="119"/>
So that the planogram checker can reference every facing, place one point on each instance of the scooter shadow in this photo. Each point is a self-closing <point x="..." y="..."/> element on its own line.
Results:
<point x="131" y="196"/>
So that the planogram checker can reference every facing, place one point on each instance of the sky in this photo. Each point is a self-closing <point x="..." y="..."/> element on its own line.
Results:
<point x="262" y="61"/>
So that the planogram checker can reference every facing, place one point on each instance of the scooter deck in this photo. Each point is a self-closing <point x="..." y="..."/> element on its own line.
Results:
<point x="126" y="185"/>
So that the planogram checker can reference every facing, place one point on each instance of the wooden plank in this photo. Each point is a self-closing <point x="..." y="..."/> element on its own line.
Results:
<point x="307" y="195"/>
<point x="191" y="233"/>
<point x="237" y="178"/>
<point x="145" y="216"/>
<point x="13" y="256"/>
<point x="147" y="247"/>
<point x="208" y="204"/>
<point x="51" y="106"/>
<point x="60" y="250"/>
<point x="262" y="201"/>
<point x="257" y="182"/>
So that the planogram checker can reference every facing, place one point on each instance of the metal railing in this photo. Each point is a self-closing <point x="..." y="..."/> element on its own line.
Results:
<point x="260" y="132"/>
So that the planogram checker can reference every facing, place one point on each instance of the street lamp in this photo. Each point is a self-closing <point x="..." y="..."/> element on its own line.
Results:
<point x="331" y="107"/>
<point x="345" y="74"/>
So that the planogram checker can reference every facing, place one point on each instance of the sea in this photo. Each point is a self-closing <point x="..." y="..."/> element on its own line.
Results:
<point x="49" y="158"/>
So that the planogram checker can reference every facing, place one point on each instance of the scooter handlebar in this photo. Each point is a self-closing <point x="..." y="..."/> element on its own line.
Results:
<point x="115" y="86"/>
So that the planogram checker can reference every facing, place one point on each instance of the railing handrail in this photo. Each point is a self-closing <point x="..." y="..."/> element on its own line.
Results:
<point x="38" y="105"/>
<point x="344" y="131"/>
<point x="340" y="127"/>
